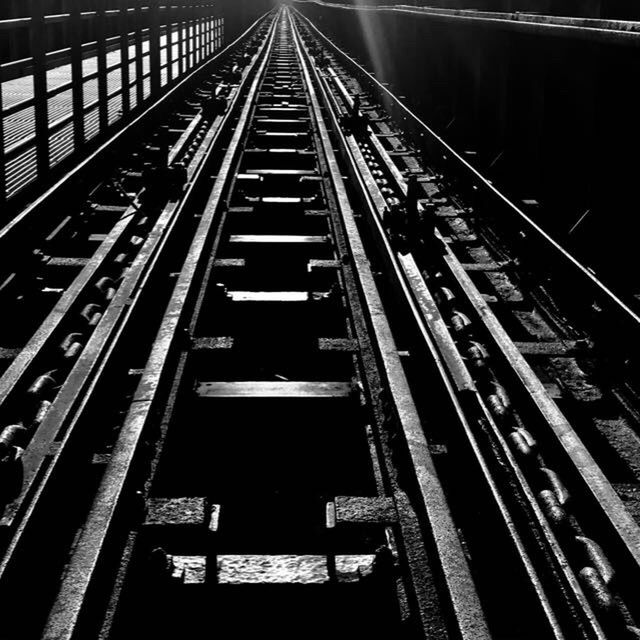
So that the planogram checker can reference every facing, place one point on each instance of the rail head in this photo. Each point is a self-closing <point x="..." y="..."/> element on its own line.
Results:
<point x="69" y="607"/>
<point x="599" y="488"/>
<point x="463" y="599"/>
<point x="618" y="522"/>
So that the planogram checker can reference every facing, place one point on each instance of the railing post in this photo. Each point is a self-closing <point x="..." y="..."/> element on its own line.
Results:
<point x="209" y="29"/>
<point x="197" y="33"/>
<point x="41" y="105"/>
<point x="215" y="27"/>
<point x="154" y="46"/>
<point x="124" y="56"/>
<point x="169" y="40"/>
<point x="187" y="43"/>
<point x="207" y="23"/>
<point x="201" y="33"/>
<point x="181" y="47"/>
<point x="3" y="180"/>
<point x="138" y="50"/>
<point x="187" y="34"/>
<point x="101" y="59"/>
<point x="205" y="30"/>
<point x="77" y="86"/>
<point x="192" y="36"/>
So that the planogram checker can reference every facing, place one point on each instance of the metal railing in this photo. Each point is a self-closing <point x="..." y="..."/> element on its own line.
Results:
<point x="53" y="102"/>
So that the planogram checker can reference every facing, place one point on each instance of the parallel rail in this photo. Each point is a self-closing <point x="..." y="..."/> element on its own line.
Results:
<point x="474" y="369"/>
<point x="277" y="85"/>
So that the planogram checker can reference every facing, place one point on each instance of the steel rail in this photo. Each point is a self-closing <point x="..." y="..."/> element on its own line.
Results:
<point x="592" y="476"/>
<point x="458" y="386"/>
<point x="593" y="480"/>
<point x="92" y="542"/>
<point x="489" y="194"/>
<point x="43" y="342"/>
<point x="459" y="584"/>
<point x="464" y="394"/>
<point x="62" y="420"/>
<point x="603" y="494"/>
<point x="90" y="547"/>
<point x="110" y="243"/>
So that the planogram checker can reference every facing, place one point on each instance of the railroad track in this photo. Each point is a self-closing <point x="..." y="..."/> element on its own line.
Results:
<point x="286" y="408"/>
<point x="68" y="297"/>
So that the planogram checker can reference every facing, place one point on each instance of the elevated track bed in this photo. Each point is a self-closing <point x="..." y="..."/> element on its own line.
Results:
<point x="275" y="376"/>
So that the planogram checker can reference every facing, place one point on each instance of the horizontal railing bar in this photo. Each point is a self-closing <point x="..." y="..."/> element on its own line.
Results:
<point x="14" y="23"/>
<point x="17" y="107"/>
<point x="15" y="149"/>
<point x="24" y="22"/>
<point x="17" y="68"/>
<point x="61" y="88"/>
<point x="28" y="102"/>
<point x="58" y="124"/>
